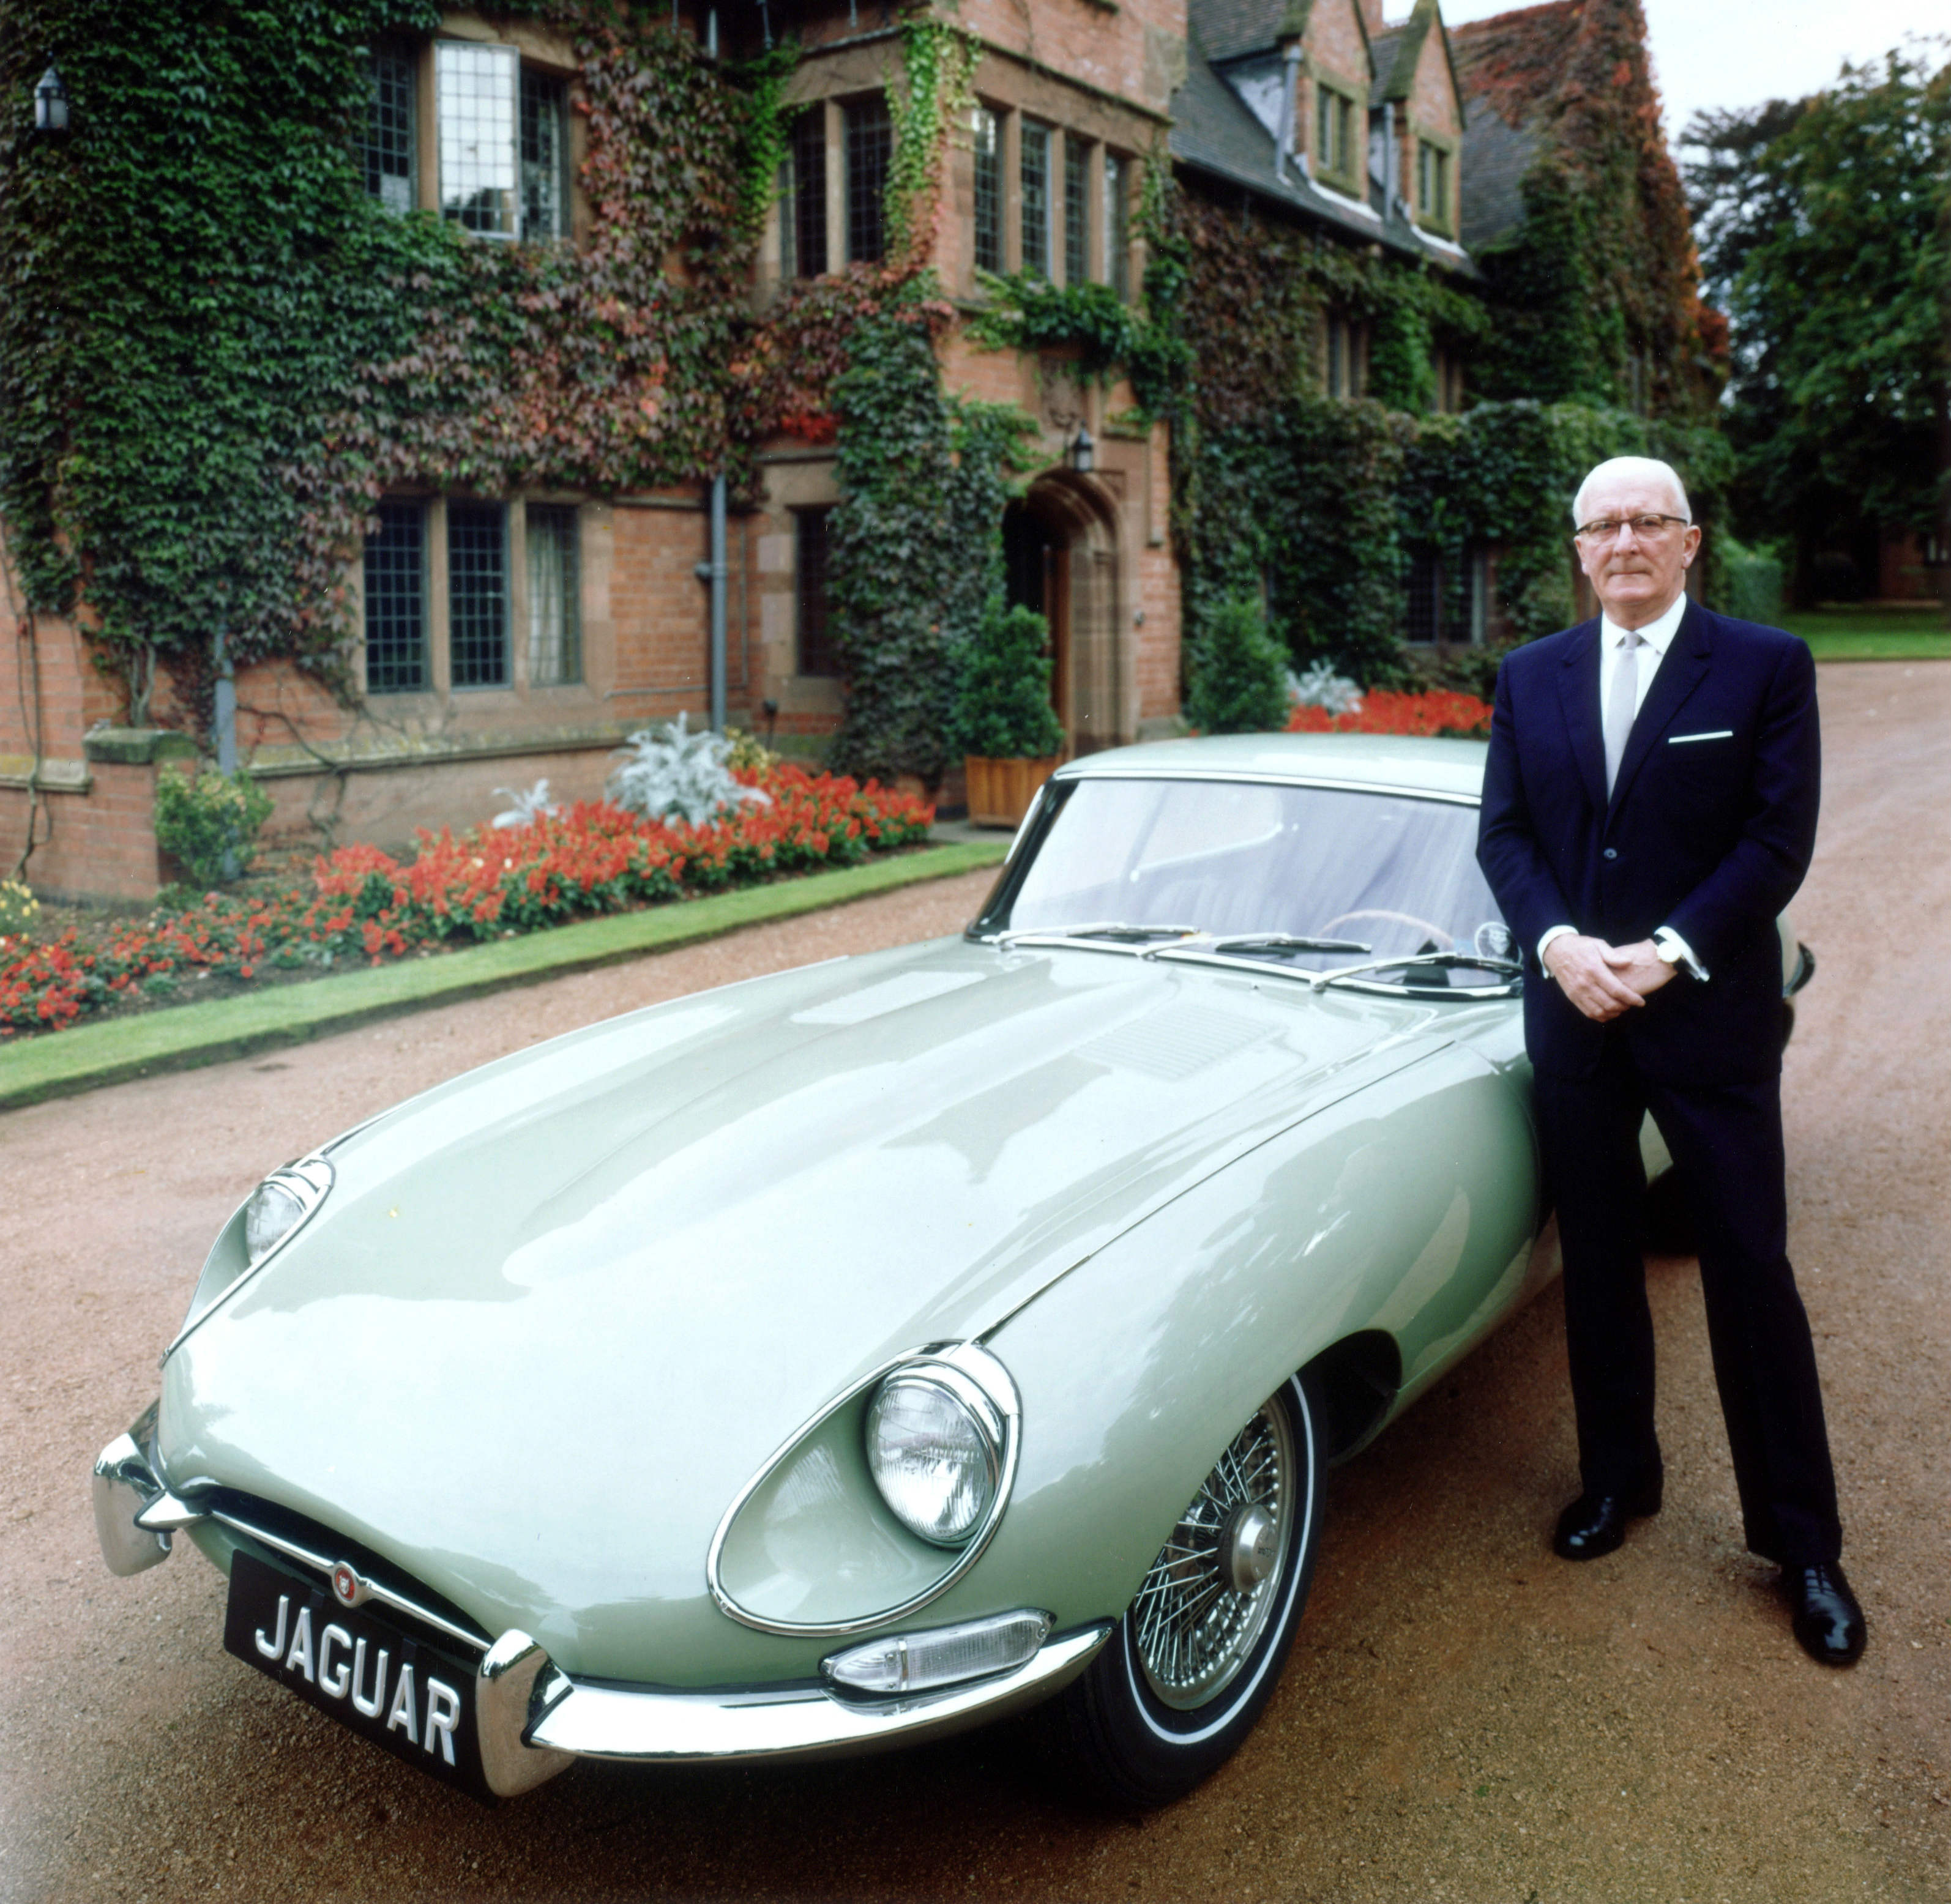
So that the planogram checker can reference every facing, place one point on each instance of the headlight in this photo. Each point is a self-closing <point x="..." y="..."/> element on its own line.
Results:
<point x="278" y="1207"/>
<point x="274" y="1212"/>
<point x="935" y="1449"/>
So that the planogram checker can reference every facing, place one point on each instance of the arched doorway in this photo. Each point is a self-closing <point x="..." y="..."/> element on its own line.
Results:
<point x="1060" y="558"/>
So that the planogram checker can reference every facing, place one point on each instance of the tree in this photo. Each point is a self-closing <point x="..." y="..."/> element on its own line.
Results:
<point x="1825" y="235"/>
<point x="1238" y="671"/>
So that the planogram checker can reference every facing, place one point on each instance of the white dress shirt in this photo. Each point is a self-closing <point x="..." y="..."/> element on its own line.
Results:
<point x="1656" y="637"/>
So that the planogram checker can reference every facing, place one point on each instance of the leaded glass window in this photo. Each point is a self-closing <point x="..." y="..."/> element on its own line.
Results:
<point x="870" y="141"/>
<point x="987" y="132"/>
<point x="544" y="157"/>
<point x="479" y="87"/>
<point x="803" y="217"/>
<point x="477" y="594"/>
<point x="396" y="591"/>
<point x="386" y="148"/>
<point x="818" y="654"/>
<point x="555" y="605"/>
<point x="1035" y="171"/>
<point x="1117" y="225"/>
<point x="1076" y="212"/>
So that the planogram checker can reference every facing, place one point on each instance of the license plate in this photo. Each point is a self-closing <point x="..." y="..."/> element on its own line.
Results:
<point x="415" y="1699"/>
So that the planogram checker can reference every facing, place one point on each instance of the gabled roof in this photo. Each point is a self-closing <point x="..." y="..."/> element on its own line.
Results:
<point x="1398" y="53"/>
<point x="1231" y="29"/>
<point x="1214" y="132"/>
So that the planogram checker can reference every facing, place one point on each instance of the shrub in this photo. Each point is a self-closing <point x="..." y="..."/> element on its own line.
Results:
<point x="208" y="822"/>
<point x="20" y="911"/>
<point x="1239" y="672"/>
<point x="669" y="773"/>
<point x="1005" y="712"/>
<point x="1751" y="580"/>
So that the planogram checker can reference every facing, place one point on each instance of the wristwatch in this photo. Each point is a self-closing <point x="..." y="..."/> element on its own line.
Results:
<point x="1676" y="952"/>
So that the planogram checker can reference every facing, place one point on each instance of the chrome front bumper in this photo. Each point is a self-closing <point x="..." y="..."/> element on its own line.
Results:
<point x="533" y="1718"/>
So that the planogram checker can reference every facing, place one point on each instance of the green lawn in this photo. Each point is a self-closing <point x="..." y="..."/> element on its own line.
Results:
<point x="1872" y="634"/>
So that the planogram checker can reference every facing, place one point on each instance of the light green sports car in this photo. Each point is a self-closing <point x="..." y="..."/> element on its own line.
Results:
<point x="847" y="1356"/>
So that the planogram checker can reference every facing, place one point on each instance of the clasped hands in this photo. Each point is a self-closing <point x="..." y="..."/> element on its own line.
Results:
<point x="1604" y="980"/>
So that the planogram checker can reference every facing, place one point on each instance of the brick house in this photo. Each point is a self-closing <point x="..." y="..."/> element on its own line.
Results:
<point x="509" y="638"/>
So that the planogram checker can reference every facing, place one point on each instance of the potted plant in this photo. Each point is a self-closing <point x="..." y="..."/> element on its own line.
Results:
<point x="1012" y="740"/>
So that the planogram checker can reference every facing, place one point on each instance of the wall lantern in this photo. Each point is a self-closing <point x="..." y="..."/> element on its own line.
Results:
<point x="51" y="104"/>
<point x="1082" y="454"/>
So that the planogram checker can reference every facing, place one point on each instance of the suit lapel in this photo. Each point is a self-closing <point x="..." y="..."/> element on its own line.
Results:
<point x="1578" y="689"/>
<point x="1681" y="671"/>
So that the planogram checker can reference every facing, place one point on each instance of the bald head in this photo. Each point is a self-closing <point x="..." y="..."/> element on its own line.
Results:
<point x="1640" y="473"/>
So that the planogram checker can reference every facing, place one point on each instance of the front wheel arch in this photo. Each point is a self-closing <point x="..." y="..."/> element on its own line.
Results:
<point x="1123" y="1734"/>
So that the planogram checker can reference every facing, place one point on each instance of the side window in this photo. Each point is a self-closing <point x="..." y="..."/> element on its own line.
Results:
<point x="1076" y="211"/>
<point x="555" y="595"/>
<point x="987" y="132"/>
<point x="1117" y="225"/>
<point x="477" y="594"/>
<point x="1334" y="135"/>
<point x="870" y="139"/>
<point x="395" y="592"/>
<point x="544" y="157"/>
<point x="478" y="106"/>
<point x="817" y="653"/>
<point x="803" y="215"/>
<point x="386" y="148"/>
<point x="1035" y="188"/>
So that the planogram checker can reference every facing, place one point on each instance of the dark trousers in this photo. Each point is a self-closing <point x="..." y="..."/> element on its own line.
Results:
<point x="1727" y="1145"/>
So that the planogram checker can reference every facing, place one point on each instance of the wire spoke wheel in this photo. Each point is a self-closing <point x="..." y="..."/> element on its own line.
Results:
<point x="1217" y="1580"/>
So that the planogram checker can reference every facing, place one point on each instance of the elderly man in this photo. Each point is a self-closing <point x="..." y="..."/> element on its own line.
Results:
<point x="1649" y="808"/>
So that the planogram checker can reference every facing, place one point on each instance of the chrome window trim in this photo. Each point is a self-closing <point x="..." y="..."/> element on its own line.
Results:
<point x="961" y="1363"/>
<point x="1075" y="772"/>
<point x="310" y="1179"/>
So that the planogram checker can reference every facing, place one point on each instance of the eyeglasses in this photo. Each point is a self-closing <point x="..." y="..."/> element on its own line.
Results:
<point x="1647" y="527"/>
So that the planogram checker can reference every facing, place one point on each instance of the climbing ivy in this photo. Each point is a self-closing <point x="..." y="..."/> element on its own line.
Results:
<point x="937" y="62"/>
<point x="216" y="351"/>
<point x="916" y="554"/>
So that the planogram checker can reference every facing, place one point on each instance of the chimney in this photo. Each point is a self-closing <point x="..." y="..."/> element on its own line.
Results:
<point x="1372" y="15"/>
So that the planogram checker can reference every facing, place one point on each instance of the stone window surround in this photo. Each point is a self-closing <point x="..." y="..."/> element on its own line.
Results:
<point x="519" y="690"/>
<point x="1442" y="219"/>
<point x="540" y="51"/>
<point x="1349" y="176"/>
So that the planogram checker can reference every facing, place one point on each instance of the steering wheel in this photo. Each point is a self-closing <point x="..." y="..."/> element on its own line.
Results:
<point x="1435" y="932"/>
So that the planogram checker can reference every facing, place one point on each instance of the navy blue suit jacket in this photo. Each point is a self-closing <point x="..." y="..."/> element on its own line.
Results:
<point x="1708" y="830"/>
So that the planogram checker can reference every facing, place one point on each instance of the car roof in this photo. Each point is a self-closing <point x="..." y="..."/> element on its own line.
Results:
<point x="1447" y="769"/>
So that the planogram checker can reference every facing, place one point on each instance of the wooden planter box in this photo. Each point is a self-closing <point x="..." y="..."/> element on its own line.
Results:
<point x="1000" y="791"/>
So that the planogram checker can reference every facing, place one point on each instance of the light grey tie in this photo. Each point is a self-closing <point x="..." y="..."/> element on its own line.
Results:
<point x="1621" y="704"/>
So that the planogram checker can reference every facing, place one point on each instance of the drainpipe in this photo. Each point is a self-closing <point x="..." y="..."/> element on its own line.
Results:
<point x="226" y="709"/>
<point x="1291" y="53"/>
<point x="1388" y="158"/>
<point x="715" y="571"/>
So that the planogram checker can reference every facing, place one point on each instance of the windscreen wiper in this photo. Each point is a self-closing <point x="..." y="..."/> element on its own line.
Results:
<point x="1442" y="962"/>
<point x="1097" y="929"/>
<point x="1284" y="942"/>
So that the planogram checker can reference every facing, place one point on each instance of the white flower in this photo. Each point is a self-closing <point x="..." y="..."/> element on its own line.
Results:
<point x="1322" y="688"/>
<point x="669" y="773"/>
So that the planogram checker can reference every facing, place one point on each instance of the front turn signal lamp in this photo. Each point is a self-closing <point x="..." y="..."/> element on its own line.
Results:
<point x="945" y="1655"/>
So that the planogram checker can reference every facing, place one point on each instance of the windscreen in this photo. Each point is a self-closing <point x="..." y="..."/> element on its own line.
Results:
<point x="1394" y="874"/>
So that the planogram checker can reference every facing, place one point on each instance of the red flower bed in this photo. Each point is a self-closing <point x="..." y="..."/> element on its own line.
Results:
<point x="361" y="904"/>
<point x="1437" y="711"/>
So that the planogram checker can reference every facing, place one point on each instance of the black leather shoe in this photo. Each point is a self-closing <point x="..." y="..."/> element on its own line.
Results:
<point x="1595" y="1524"/>
<point x="1827" y="1621"/>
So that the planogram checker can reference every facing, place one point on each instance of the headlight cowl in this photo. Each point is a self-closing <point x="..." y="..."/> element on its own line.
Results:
<point x="274" y="1212"/>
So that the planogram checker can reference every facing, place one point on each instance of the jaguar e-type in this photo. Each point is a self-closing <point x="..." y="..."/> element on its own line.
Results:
<point x="845" y="1356"/>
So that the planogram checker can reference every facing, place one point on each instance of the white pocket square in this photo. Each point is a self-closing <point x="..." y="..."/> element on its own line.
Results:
<point x="1719" y="734"/>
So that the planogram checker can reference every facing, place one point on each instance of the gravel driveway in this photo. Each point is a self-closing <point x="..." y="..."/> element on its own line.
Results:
<point x="1465" y="1718"/>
